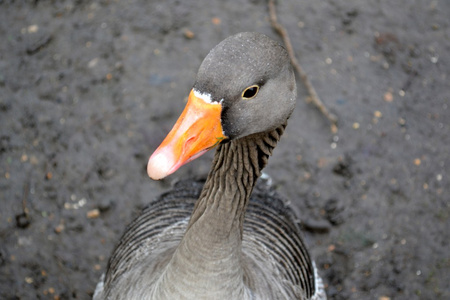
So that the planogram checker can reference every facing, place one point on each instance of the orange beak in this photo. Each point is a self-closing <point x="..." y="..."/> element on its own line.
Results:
<point x="197" y="130"/>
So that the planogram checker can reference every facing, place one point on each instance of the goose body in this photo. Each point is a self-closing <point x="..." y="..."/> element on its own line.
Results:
<point x="216" y="239"/>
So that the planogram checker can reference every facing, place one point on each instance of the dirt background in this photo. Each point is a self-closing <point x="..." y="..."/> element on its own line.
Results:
<point x="88" y="89"/>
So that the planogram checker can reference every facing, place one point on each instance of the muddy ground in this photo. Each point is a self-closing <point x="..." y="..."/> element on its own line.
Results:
<point x="89" y="89"/>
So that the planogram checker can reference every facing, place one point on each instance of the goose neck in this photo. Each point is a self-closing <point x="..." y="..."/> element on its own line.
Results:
<point x="209" y="255"/>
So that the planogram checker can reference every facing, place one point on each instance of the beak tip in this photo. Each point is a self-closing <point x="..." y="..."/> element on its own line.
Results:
<point x="158" y="166"/>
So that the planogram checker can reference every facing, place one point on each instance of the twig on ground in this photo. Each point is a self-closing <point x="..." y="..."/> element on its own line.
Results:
<point x="26" y="189"/>
<point x="314" y="98"/>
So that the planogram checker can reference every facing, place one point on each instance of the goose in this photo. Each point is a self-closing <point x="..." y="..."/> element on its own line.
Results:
<point x="214" y="239"/>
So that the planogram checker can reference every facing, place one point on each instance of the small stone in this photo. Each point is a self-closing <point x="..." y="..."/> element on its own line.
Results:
<point x="29" y="280"/>
<point x="333" y="211"/>
<point x="105" y="205"/>
<point x="314" y="225"/>
<point x="216" y="21"/>
<point x="33" y="29"/>
<point x="355" y="125"/>
<point x="82" y="202"/>
<point x="59" y="228"/>
<point x="38" y="42"/>
<point x="388" y="97"/>
<point x="417" y="161"/>
<point x="377" y="114"/>
<point x="188" y="34"/>
<point x="93" y="62"/>
<point x="92" y="214"/>
<point x="384" y="298"/>
<point x="334" y="128"/>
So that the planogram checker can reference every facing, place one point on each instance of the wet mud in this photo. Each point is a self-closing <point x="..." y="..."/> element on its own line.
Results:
<point x="88" y="89"/>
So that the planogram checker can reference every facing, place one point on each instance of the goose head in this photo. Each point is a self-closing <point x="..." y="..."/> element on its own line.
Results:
<point x="245" y="85"/>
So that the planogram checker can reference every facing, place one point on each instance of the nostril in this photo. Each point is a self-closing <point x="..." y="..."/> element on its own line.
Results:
<point x="188" y="143"/>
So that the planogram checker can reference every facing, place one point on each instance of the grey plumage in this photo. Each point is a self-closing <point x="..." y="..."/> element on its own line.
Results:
<point x="167" y="217"/>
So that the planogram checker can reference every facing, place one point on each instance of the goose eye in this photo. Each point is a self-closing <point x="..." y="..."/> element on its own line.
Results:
<point x="250" y="92"/>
